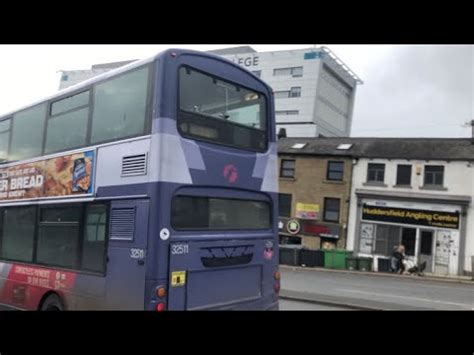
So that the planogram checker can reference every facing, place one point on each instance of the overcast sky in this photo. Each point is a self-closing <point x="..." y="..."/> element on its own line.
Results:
<point x="408" y="91"/>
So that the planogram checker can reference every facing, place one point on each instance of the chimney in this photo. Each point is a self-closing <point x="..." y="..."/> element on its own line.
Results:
<point x="282" y="132"/>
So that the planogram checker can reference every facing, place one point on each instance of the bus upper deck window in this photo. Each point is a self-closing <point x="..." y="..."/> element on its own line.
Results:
<point x="216" y="110"/>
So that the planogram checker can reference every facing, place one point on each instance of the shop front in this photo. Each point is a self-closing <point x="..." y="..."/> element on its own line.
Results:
<point x="431" y="232"/>
<point x="309" y="233"/>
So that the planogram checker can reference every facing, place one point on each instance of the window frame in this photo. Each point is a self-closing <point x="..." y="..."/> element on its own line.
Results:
<point x="179" y="112"/>
<point x="291" y="69"/>
<point x="328" y="171"/>
<point x="378" y="170"/>
<point x="282" y="168"/>
<point x="434" y="174"/>
<point x="338" y="210"/>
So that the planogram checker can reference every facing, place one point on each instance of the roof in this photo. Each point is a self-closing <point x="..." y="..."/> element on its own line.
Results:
<point x="384" y="148"/>
<point x="233" y="50"/>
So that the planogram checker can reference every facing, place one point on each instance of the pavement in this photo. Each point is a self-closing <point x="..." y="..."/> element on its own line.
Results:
<point x="373" y="291"/>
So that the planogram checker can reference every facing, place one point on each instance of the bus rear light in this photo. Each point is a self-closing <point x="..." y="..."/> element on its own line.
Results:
<point x="160" y="307"/>
<point x="160" y="292"/>
<point x="173" y="54"/>
<point x="277" y="275"/>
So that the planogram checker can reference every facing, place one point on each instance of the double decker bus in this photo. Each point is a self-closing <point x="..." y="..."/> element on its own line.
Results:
<point x="150" y="187"/>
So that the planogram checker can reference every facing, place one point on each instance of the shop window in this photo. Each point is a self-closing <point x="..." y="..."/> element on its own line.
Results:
<point x="409" y="240"/>
<point x="426" y="243"/>
<point x="386" y="239"/>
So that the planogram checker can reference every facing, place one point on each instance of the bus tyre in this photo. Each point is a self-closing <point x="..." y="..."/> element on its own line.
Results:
<point x="52" y="303"/>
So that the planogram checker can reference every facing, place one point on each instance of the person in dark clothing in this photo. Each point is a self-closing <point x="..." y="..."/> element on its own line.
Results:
<point x="397" y="259"/>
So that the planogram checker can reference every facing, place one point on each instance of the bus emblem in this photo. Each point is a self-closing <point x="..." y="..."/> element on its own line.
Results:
<point x="230" y="173"/>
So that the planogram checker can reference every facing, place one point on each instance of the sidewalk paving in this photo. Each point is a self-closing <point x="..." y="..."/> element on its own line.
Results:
<point x="427" y="277"/>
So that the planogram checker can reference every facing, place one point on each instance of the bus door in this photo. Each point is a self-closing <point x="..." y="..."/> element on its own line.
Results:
<point x="217" y="274"/>
<point x="126" y="255"/>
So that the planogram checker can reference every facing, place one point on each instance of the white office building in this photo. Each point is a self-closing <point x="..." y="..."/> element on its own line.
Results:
<point x="314" y="90"/>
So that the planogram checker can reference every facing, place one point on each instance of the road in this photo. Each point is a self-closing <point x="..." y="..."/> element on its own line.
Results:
<point x="373" y="291"/>
<point x="290" y="305"/>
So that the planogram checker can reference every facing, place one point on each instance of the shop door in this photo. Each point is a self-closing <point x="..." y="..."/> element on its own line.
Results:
<point x="426" y="249"/>
<point x="409" y="240"/>
<point x="447" y="252"/>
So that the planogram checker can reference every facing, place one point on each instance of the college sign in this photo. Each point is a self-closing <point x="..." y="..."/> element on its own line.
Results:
<point x="68" y="175"/>
<point x="402" y="215"/>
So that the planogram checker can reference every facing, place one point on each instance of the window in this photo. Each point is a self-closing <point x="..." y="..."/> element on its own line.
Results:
<point x="287" y="168"/>
<point x="287" y="112"/>
<point x="284" y="203"/>
<point x="404" y="175"/>
<point x="434" y="175"/>
<point x="409" y="240"/>
<point x="27" y="133"/>
<point x="335" y="170"/>
<point x="198" y="213"/>
<point x="257" y="73"/>
<point x="295" y="92"/>
<point x="70" y="103"/>
<point x="120" y="107"/>
<point x="18" y="233"/>
<point x="426" y="243"/>
<point x="215" y="110"/>
<point x="295" y="71"/>
<point x="4" y="138"/>
<point x="331" y="209"/>
<point x="386" y="238"/>
<point x="376" y="173"/>
<point x="93" y="244"/>
<point x="58" y="236"/>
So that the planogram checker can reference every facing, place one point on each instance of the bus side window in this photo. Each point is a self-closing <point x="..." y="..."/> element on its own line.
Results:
<point x="93" y="249"/>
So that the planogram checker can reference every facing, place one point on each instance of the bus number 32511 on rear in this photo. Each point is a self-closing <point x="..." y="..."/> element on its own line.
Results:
<point x="177" y="249"/>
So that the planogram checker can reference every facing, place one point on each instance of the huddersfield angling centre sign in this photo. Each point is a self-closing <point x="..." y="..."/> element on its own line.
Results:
<point x="399" y="215"/>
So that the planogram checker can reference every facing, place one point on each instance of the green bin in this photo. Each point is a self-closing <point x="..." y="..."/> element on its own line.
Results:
<point x="335" y="258"/>
<point x="364" y="264"/>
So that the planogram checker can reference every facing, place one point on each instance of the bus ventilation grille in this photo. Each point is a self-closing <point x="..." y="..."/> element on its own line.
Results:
<point x="122" y="223"/>
<point x="134" y="165"/>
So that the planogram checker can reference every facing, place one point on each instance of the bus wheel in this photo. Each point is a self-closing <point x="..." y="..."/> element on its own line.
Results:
<point x="52" y="303"/>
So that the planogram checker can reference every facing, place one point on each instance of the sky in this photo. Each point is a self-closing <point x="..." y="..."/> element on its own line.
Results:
<point x="408" y="90"/>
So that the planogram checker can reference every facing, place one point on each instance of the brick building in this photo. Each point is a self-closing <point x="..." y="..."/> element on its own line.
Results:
<point x="315" y="184"/>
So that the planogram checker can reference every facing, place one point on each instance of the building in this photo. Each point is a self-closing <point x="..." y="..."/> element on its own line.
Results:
<point x="315" y="185"/>
<point x="415" y="192"/>
<point x="314" y="90"/>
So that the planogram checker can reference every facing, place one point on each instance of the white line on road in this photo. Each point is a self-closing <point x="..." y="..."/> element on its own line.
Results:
<point x="462" y="305"/>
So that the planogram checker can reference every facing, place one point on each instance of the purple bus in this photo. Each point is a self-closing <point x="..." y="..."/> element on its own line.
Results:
<point x="150" y="187"/>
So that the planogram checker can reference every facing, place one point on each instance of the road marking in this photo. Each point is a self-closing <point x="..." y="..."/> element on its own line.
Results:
<point x="463" y="305"/>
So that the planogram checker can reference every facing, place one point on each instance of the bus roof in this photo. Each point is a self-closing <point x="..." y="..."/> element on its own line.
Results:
<point x="120" y="70"/>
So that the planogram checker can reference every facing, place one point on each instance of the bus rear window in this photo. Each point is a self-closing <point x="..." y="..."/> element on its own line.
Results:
<point x="221" y="112"/>
<point x="205" y="213"/>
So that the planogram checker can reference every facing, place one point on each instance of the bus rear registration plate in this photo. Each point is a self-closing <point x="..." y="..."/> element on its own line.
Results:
<point x="178" y="278"/>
